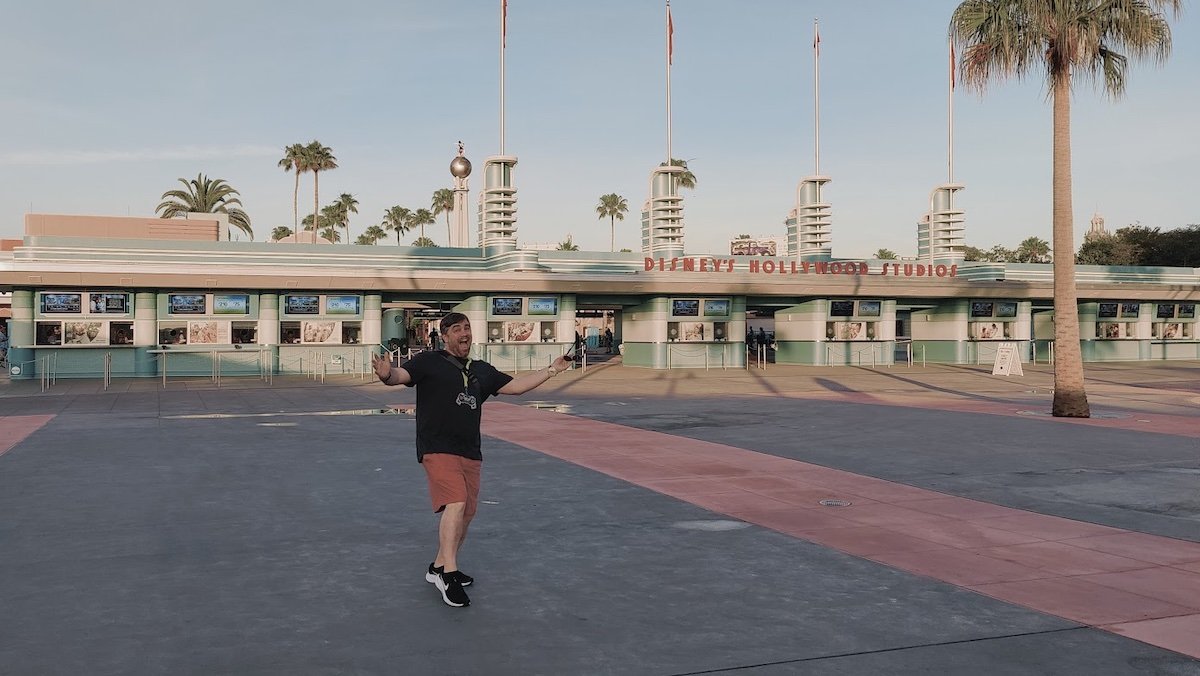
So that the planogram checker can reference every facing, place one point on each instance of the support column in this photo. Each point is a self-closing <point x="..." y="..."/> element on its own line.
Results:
<point x="268" y="318"/>
<point x="372" y="326"/>
<point x="21" y="338"/>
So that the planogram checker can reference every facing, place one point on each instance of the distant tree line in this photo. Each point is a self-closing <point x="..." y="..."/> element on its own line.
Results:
<point x="1139" y="245"/>
<point x="1133" y="245"/>
<point x="1031" y="250"/>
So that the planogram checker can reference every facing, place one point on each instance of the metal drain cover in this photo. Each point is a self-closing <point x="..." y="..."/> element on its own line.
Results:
<point x="549" y="406"/>
<point x="835" y="503"/>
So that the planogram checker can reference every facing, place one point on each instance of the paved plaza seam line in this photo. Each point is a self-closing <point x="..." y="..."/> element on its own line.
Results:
<point x="1083" y="572"/>
<point x="880" y="651"/>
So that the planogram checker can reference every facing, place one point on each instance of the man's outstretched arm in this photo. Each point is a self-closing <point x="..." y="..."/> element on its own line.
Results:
<point x="530" y="381"/>
<point x="387" y="374"/>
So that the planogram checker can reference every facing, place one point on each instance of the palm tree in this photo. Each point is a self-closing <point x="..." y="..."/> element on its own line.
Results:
<point x="567" y="245"/>
<point x="1001" y="38"/>
<point x="614" y="207"/>
<point x="443" y="203"/>
<point x="423" y="241"/>
<point x="293" y="160"/>
<point x="397" y="220"/>
<point x="207" y="196"/>
<point x="422" y="218"/>
<point x="330" y="232"/>
<point x="885" y="255"/>
<point x="346" y="205"/>
<point x="686" y="178"/>
<point x="280" y="232"/>
<point x="1033" y="250"/>
<point x="318" y="158"/>
<point x="371" y="235"/>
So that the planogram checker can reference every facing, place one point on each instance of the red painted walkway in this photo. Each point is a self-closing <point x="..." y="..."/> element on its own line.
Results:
<point x="14" y="429"/>
<point x="1142" y="586"/>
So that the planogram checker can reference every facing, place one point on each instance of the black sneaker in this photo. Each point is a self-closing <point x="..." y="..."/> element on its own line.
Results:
<point x="452" y="591"/>
<point x="463" y="579"/>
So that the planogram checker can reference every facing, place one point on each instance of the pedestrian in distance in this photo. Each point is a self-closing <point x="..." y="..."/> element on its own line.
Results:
<point x="451" y="389"/>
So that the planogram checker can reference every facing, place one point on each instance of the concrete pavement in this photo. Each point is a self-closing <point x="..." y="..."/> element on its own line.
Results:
<point x="633" y="522"/>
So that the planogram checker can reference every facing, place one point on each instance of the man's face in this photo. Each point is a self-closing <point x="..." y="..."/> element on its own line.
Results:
<point x="458" y="339"/>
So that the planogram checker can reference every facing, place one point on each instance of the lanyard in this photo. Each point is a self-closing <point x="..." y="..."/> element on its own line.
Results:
<point x="466" y="382"/>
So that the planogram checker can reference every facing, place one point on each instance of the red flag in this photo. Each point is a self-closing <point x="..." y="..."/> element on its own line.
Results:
<point x="951" y="66"/>
<point x="817" y="41"/>
<point x="503" y="23"/>
<point x="670" y="37"/>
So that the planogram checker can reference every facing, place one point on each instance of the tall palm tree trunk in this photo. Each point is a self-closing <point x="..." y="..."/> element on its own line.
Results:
<point x="612" y="234"/>
<point x="316" y="201"/>
<point x="1070" y="399"/>
<point x="449" y="235"/>
<point x="296" y="206"/>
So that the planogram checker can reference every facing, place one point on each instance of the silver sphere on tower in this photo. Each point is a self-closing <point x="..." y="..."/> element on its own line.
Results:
<point x="460" y="167"/>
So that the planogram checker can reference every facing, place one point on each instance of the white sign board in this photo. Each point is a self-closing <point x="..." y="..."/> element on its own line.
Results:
<point x="1008" y="361"/>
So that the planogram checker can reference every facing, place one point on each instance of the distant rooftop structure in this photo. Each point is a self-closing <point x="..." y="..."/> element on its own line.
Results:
<point x="1097" y="225"/>
<point x="758" y="245"/>
<point x="194" y="226"/>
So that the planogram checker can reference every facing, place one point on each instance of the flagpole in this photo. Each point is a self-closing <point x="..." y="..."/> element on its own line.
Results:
<point x="670" y="48"/>
<point x="816" y="100"/>
<point x="503" y="45"/>
<point x="950" y="119"/>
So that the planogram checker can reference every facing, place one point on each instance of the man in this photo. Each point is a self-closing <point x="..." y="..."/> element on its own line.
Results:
<point x="451" y="389"/>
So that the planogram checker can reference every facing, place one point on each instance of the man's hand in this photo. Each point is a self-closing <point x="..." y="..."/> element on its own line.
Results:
<point x="382" y="363"/>
<point x="562" y="363"/>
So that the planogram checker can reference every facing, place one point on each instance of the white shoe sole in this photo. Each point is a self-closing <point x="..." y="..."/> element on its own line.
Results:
<point x="442" y="588"/>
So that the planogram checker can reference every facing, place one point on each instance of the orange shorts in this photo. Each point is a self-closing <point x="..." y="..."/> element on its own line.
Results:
<point x="452" y="478"/>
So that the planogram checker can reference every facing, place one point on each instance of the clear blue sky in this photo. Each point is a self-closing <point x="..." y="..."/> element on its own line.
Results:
<point x="105" y="105"/>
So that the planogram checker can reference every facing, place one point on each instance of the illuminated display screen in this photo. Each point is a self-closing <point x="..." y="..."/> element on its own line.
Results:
<point x="108" y="303"/>
<point x="685" y="308"/>
<point x="231" y="304"/>
<point x="186" y="304"/>
<point x="62" y="303"/>
<point x="841" y="308"/>
<point x="341" y="305"/>
<point x="868" y="308"/>
<point x="507" y="306"/>
<point x="302" y="305"/>
<point x="717" y="307"/>
<point x="981" y="309"/>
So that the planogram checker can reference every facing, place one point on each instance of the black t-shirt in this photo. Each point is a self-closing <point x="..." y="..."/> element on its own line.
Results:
<point x="450" y="396"/>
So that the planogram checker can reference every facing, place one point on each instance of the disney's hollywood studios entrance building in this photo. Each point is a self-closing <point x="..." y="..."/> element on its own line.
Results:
<point x="140" y="296"/>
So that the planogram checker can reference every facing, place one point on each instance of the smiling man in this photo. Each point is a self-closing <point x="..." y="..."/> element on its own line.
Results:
<point x="451" y="389"/>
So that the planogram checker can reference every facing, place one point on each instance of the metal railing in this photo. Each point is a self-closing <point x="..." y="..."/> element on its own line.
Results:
<point x="216" y="367"/>
<point x="982" y="349"/>
<point x="674" y="348"/>
<point x="47" y="368"/>
<point x="853" y="358"/>
<point x="760" y="356"/>
<point x="909" y="353"/>
<point x="1049" y="351"/>
<point x="107" y="370"/>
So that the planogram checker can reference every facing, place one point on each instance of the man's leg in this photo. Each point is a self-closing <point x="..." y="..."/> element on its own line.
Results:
<point x="452" y="530"/>
<point x="465" y="513"/>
